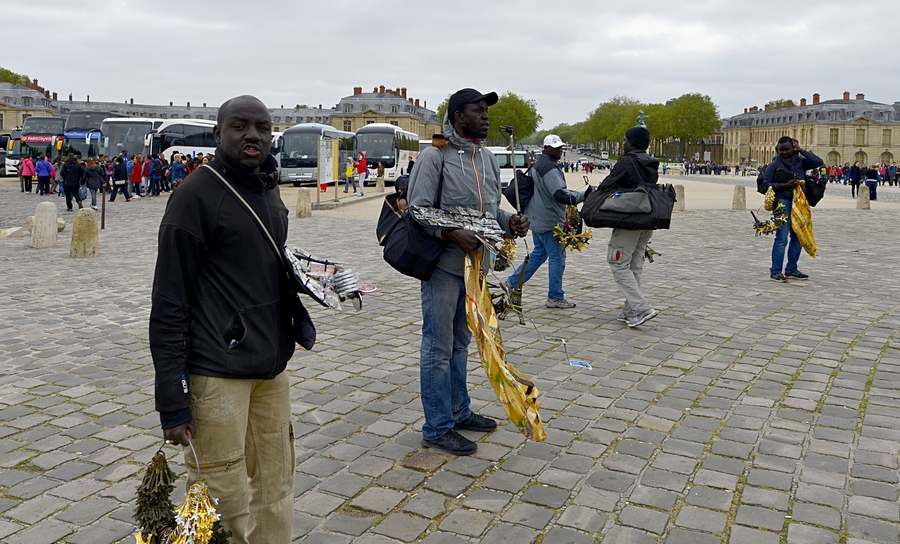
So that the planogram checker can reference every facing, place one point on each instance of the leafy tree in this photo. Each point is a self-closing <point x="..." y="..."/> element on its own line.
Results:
<point x="8" y="76"/>
<point x="694" y="117"/>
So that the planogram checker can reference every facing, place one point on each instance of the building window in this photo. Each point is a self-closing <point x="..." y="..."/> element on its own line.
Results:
<point x="395" y="108"/>
<point x="348" y="108"/>
<point x="833" y="137"/>
<point x="163" y="116"/>
<point x="288" y="119"/>
<point x="369" y="122"/>
<point x="212" y="117"/>
<point x="277" y="119"/>
<point x="886" y="137"/>
<point x="348" y="126"/>
<point x="1" y="121"/>
<point x="860" y="137"/>
<point x="395" y="123"/>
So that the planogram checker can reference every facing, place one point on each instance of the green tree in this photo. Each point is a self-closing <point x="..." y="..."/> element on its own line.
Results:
<point x="8" y="76"/>
<point x="694" y="117"/>
<point x="610" y="120"/>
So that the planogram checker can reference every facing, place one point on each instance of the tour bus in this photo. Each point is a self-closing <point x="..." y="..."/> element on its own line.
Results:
<point x="390" y="145"/>
<point x="300" y="152"/>
<point x="507" y="168"/>
<point x="187" y="137"/>
<point x="13" y="152"/>
<point x="82" y="132"/>
<point x="126" y="133"/>
<point x="42" y="135"/>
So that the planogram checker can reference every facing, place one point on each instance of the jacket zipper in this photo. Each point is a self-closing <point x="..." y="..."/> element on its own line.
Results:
<point x="477" y="181"/>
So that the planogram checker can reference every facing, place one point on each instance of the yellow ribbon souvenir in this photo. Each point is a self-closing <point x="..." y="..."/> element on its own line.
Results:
<point x="801" y="221"/>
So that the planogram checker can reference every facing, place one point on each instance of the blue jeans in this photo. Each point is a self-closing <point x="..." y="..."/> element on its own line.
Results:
<point x="545" y="246"/>
<point x="781" y="240"/>
<point x="154" y="186"/>
<point x="443" y="355"/>
<point x="93" y="196"/>
<point x="347" y="182"/>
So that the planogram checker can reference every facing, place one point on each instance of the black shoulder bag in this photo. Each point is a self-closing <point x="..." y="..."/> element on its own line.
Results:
<point x="303" y="331"/>
<point x="647" y="206"/>
<point x="408" y="248"/>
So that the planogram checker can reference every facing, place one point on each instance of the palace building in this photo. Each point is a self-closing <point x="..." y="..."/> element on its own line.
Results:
<point x="382" y="105"/>
<point x="842" y="130"/>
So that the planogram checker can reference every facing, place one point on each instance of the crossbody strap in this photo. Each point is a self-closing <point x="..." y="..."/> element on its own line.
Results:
<point x="250" y="210"/>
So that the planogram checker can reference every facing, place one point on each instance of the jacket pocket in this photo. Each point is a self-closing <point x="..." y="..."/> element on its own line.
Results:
<point x="250" y="340"/>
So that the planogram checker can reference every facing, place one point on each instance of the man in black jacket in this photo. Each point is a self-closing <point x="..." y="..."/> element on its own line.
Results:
<point x="782" y="175"/>
<point x="72" y="175"/>
<point x="625" y="253"/>
<point x="220" y="329"/>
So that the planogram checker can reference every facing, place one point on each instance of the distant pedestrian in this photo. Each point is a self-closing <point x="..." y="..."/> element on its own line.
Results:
<point x="44" y="171"/>
<point x="26" y="174"/>
<point x="856" y="175"/>
<point x="136" y="175"/>
<point x="349" y="173"/>
<point x="379" y="174"/>
<point x="361" y="172"/>
<point x="72" y="175"/>
<point x="120" y="180"/>
<point x="94" y="178"/>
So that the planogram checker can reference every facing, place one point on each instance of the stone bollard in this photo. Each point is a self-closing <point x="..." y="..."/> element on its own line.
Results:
<point x="679" y="198"/>
<point x="379" y="184"/>
<point x="60" y="224"/>
<point x="44" y="233"/>
<point x="862" y="199"/>
<point x="85" y="234"/>
<point x="739" y="201"/>
<point x="304" y="205"/>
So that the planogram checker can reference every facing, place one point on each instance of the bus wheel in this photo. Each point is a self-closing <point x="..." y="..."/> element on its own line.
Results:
<point x="297" y="184"/>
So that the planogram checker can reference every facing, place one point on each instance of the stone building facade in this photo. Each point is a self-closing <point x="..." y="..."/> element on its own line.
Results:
<point x="382" y="105"/>
<point x="18" y="102"/>
<point x="839" y="131"/>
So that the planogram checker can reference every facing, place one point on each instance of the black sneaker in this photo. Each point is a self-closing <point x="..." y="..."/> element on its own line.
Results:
<point x="778" y="276"/>
<point x="452" y="442"/>
<point x="476" y="422"/>
<point x="796" y="275"/>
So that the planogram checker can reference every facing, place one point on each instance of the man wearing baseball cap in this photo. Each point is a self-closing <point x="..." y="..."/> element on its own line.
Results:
<point x="469" y="176"/>
<point x="546" y="209"/>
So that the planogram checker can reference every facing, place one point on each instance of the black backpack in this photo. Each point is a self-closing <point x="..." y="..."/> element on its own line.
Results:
<point x="525" y="182"/>
<point x="156" y="170"/>
<point x="760" y="177"/>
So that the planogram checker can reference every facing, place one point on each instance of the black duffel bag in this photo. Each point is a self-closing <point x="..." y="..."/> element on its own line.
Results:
<point x="606" y="209"/>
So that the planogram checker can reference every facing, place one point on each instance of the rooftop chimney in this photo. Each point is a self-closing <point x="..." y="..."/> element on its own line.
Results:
<point x="417" y="102"/>
<point x="189" y="104"/>
<point x="846" y="96"/>
<point x="131" y="101"/>
<point x="802" y="101"/>
<point x="374" y="90"/>
<point x="815" y="99"/>
<point x="204" y="104"/>
<point x="89" y="98"/>
<point x="777" y="105"/>
<point x="320" y="106"/>
<point x="424" y="103"/>
<point x="55" y="97"/>
<point x="70" y="97"/>
<point x="170" y="104"/>
<point x="34" y="82"/>
<point x="767" y="107"/>
<point x="859" y="96"/>
<point x="402" y="92"/>
<point x="790" y="103"/>
<point x="357" y="90"/>
<point x="15" y="80"/>
<point x="381" y="89"/>
<point x="745" y="110"/>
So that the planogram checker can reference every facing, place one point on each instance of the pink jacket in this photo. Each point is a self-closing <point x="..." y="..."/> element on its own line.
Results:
<point x="27" y="168"/>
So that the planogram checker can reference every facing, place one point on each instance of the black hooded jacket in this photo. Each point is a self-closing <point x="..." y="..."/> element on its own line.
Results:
<point x="218" y="291"/>
<point x="72" y="173"/>
<point x="630" y="169"/>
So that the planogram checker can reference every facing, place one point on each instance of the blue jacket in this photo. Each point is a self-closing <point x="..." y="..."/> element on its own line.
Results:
<point x="807" y="161"/>
<point x="43" y="168"/>
<point x="177" y="171"/>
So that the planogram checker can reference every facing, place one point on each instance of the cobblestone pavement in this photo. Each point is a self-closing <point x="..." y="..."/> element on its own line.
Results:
<point x="748" y="411"/>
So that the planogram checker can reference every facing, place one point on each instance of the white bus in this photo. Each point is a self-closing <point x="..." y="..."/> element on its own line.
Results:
<point x="507" y="168"/>
<point x="187" y="137"/>
<point x="126" y="133"/>
<point x="390" y="145"/>
<point x="300" y="151"/>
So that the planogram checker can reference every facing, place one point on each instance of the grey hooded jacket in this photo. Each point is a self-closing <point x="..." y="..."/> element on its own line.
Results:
<point x="471" y="179"/>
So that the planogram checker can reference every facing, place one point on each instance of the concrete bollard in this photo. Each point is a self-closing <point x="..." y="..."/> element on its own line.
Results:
<point x="862" y="199"/>
<point x="85" y="234"/>
<point x="379" y="184"/>
<point x="44" y="233"/>
<point x="679" y="198"/>
<point x="739" y="201"/>
<point x="304" y="205"/>
<point x="60" y="224"/>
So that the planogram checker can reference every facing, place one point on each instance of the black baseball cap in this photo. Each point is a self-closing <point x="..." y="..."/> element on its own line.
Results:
<point x="467" y="96"/>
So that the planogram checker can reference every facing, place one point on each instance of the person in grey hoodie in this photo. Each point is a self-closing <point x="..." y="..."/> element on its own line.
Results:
<point x="546" y="209"/>
<point x="625" y="253"/>
<point x="471" y="178"/>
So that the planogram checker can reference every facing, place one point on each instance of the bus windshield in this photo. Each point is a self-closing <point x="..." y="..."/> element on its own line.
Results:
<point x="86" y="120"/>
<point x="43" y="125"/>
<point x="299" y="150"/>
<point x="377" y="148"/>
<point x="14" y="149"/>
<point x="127" y="135"/>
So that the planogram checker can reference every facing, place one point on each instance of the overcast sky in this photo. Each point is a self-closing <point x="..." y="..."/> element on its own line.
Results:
<point x="568" y="56"/>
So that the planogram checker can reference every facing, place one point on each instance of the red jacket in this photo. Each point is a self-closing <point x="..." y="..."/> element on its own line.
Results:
<point x="136" y="172"/>
<point x="361" y="165"/>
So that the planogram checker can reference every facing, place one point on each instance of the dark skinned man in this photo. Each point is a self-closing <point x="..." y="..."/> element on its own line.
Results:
<point x="220" y="334"/>
<point x="471" y="178"/>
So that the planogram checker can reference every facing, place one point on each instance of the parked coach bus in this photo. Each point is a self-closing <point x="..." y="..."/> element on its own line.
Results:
<point x="126" y="133"/>
<point x="13" y="152"/>
<point x="181" y="136"/>
<point x="82" y="132"/>
<point x="42" y="135"/>
<point x="300" y="151"/>
<point x="388" y="144"/>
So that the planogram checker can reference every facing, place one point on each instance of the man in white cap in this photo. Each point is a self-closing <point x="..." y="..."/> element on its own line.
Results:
<point x="546" y="209"/>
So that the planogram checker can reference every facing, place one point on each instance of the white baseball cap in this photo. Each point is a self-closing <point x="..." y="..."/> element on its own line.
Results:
<point x="553" y="141"/>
